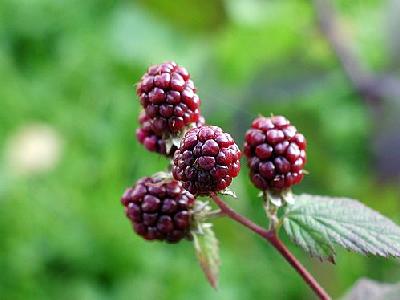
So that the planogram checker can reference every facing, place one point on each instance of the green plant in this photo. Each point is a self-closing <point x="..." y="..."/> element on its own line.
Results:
<point x="206" y="159"/>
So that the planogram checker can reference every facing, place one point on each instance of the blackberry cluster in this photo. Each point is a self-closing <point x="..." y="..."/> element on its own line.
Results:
<point x="169" y="98"/>
<point x="275" y="152"/>
<point x="155" y="142"/>
<point x="206" y="160"/>
<point x="159" y="209"/>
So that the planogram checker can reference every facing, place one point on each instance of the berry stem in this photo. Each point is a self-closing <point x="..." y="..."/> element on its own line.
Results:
<point x="292" y="260"/>
<point x="272" y="238"/>
<point x="229" y="212"/>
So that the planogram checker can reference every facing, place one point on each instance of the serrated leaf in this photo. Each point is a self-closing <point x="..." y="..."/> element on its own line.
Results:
<point x="207" y="252"/>
<point x="318" y="223"/>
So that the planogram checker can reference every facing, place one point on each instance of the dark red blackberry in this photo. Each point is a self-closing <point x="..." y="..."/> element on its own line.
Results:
<point x="169" y="98"/>
<point x="276" y="153"/>
<point x="152" y="141"/>
<point x="206" y="160"/>
<point x="159" y="209"/>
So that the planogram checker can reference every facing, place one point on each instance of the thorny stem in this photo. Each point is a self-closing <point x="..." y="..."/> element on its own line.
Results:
<point x="272" y="238"/>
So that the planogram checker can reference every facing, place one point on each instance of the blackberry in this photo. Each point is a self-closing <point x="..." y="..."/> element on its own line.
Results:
<point x="159" y="209"/>
<point x="276" y="153"/>
<point x="206" y="160"/>
<point x="169" y="98"/>
<point x="154" y="142"/>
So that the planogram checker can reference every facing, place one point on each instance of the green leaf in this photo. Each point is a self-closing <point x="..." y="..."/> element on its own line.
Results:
<point x="207" y="251"/>
<point x="318" y="223"/>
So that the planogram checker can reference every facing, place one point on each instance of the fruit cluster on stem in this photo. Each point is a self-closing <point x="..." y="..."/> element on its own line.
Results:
<point x="204" y="161"/>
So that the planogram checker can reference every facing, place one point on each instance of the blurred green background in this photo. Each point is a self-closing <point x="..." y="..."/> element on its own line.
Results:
<point x="69" y="112"/>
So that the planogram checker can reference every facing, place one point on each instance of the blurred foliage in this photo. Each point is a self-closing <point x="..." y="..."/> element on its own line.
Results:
<point x="72" y="65"/>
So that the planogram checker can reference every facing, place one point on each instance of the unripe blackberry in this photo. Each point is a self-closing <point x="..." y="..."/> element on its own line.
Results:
<point x="159" y="209"/>
<point x="169" y="98"/>
<point x="206" y="160"/>
<point x="276" y="153"/>
<point x="154" y="142"/>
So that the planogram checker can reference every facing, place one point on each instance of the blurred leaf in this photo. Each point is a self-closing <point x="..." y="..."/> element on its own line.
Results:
<point x="316" y="223"/>
<point x="159" y="41"/>
<point x="244" y="49"/>
<point x="392" y="33"/>
<point x="365" y="289"/>
<point x="250" y="12"/>
<point x="189" y="15"/>
<point x="207" y="251"/>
